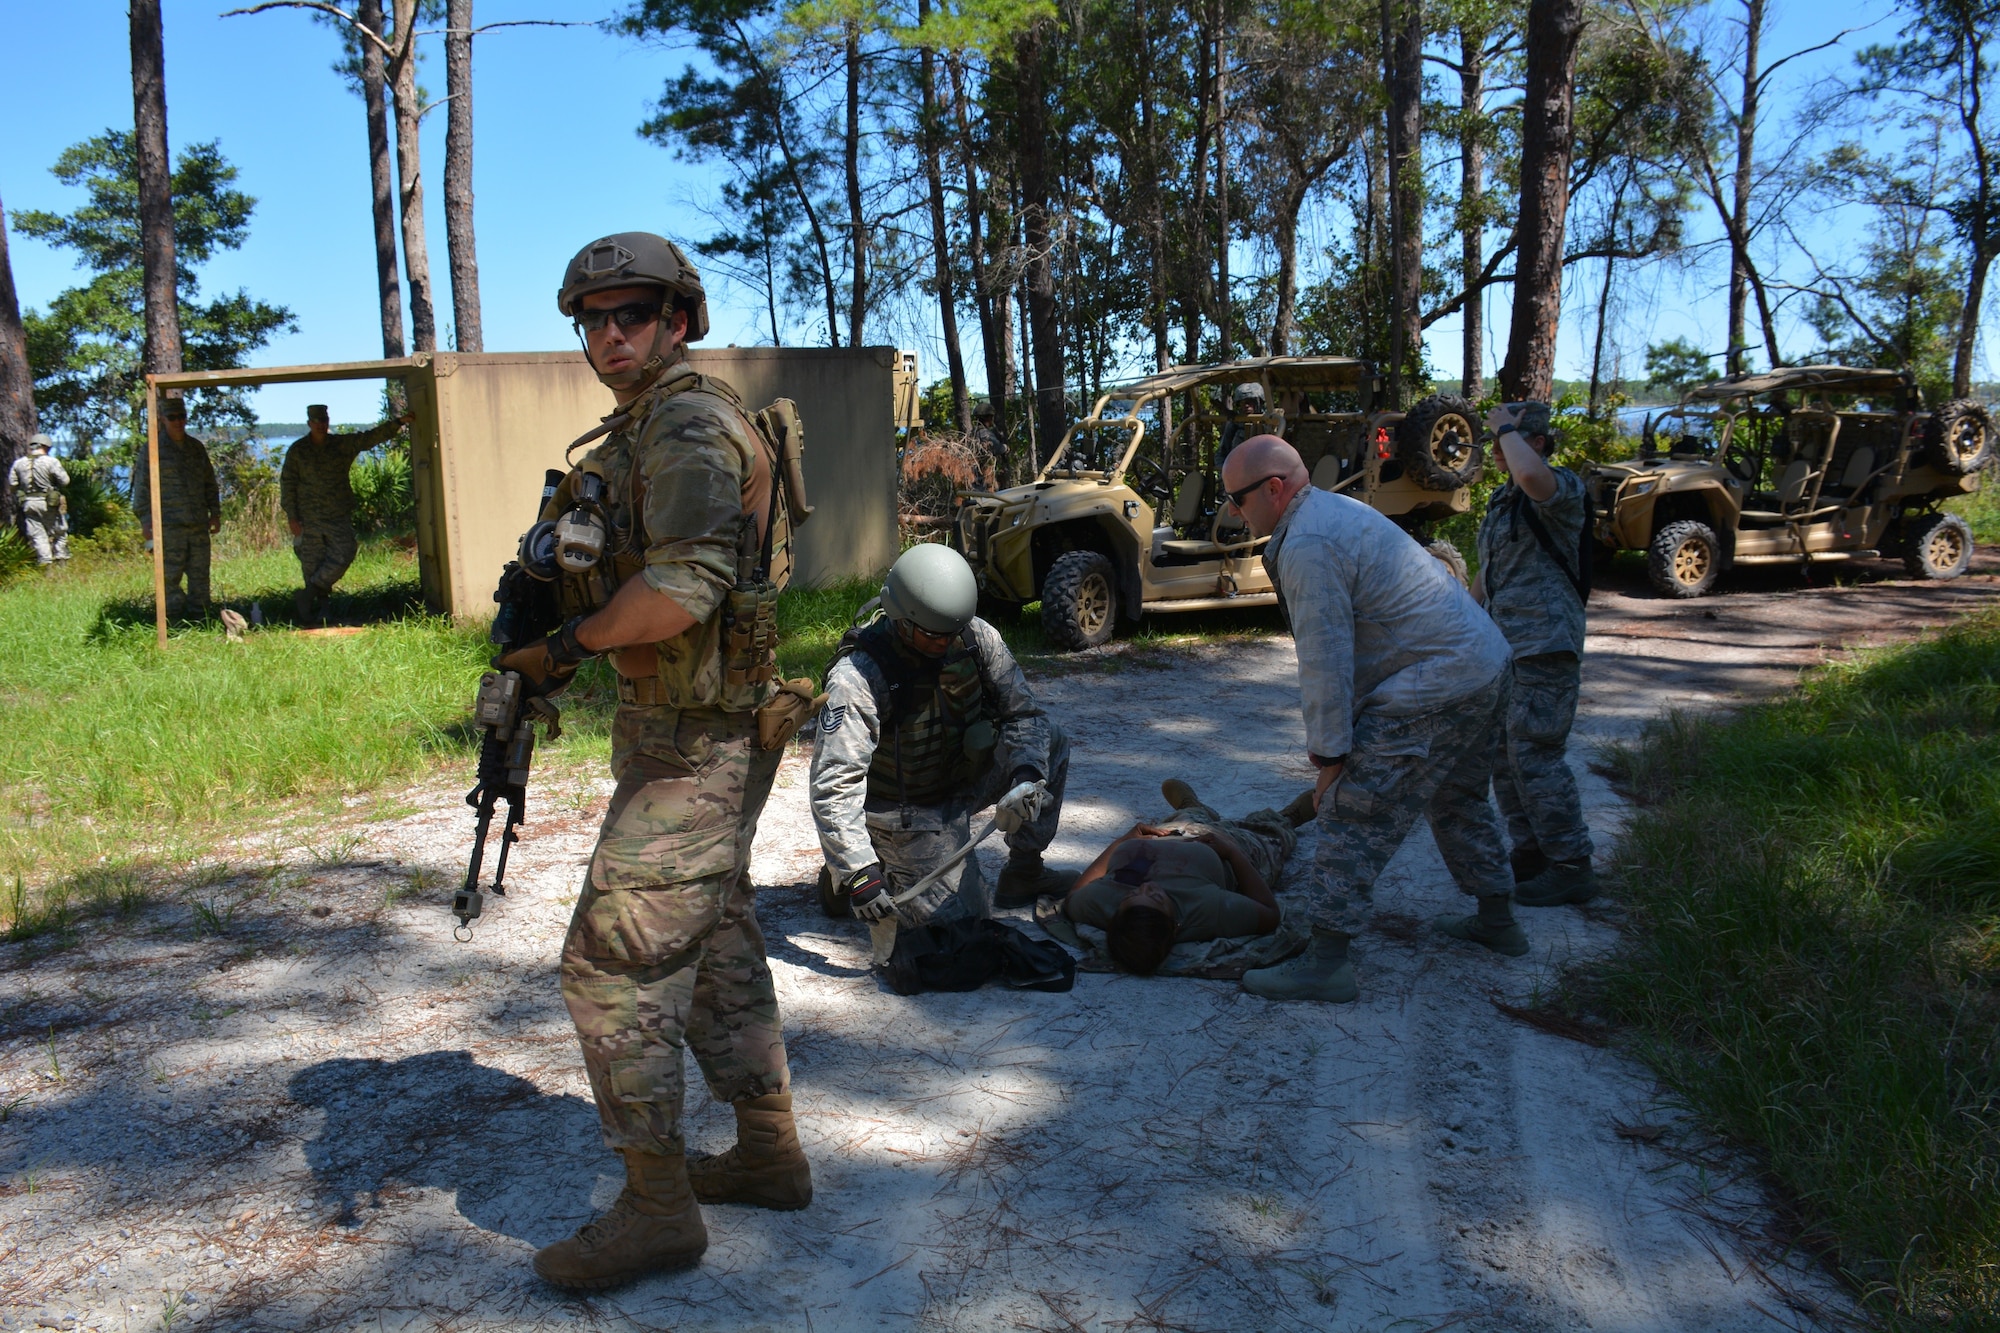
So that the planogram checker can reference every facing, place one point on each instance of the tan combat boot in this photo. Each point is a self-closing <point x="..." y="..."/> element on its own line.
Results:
<point x="767" y="1168"/>
<point x="655" y="1225"/>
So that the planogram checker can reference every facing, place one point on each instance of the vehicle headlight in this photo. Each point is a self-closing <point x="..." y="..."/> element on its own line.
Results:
<point x="1642" y="486"/>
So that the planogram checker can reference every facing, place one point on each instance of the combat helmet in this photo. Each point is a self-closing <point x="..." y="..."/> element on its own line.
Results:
<point x="1248" y="392"/>
<point x="931" y="587"/>
<point x="636" y="259"/>
<point x="42" y="442"/>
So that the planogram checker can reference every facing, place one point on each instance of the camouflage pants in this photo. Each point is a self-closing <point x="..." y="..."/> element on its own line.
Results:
<point x="1438" y="764"/>
<point x="184" y="552"/>
<point x="1531" y="775"/>
<point x="664" y="951"/>
<point x="910" y="850"/>
<point x="1265" y="836"/>
<point x="326" y="548"/>
<point x="47" y="531"/>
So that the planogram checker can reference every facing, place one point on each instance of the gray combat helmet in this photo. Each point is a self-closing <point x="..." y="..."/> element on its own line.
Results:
<point x="42" y="442"/>
<point x="932" y="587"/>
<point x="636" y="259"/>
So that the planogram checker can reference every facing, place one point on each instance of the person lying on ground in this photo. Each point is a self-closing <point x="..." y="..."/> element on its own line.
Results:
<point x="1190" y="877"/>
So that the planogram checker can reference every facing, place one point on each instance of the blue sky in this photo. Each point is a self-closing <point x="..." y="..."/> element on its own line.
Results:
<point x="558" y="162"/>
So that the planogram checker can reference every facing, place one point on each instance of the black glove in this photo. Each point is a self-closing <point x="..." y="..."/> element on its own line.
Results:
<point x="867" y="891"/>
<point x="547" y="665"/>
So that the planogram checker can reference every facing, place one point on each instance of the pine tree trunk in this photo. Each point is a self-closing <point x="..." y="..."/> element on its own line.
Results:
<point x="857" y="229"/>
<point x="1403" y="30"/>
<point x="156" y="204"/>
<point x="1051" y="408"/>
<point x="1472" y="185"/>
<point x="458" y="233"/>
<point x="1222" y="316"/>
<point x="409" y="178"/>
<point x="17" y="382"/>
<point x="1547" y="113"/>
<point x="947" y="290"/>
<point x="1746" y="159"/>
<point x="1288" y="273"/>
<point x="382" y="180"/>
<point x="983" y="296"/>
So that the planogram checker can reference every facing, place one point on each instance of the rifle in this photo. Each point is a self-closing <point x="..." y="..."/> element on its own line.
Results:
<point x="507" y="713"/>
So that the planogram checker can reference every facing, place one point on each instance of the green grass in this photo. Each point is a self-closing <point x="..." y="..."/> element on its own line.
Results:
<point x="1816" y="970"/>
<point x="121" y="765"/>
<point x="1981" y="509"/>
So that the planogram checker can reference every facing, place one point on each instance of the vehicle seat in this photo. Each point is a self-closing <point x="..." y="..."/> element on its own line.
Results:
<point x="1326" y="472"/>
<point x="1792" y="485"/>
<point x="1187" y="504"/>
<point x="1860" y="467"/>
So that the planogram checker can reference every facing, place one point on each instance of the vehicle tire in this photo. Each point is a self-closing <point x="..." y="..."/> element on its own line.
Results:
<point x="1962" y="437"/>
<point x="1439" y="443"/>
<point x="1937" y="546"/>
<point x="1080" y="601"/>
<point x="831" y="901"/>
<point x="1684" y="559"/>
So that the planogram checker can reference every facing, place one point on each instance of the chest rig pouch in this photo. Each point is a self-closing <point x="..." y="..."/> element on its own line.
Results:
<point x="938" y="729"/>
<point x="590" y="539"/>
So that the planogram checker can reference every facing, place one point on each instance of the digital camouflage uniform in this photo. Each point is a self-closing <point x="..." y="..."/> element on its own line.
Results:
<point x="664" y="951"/>
<point x="1537" y="608"/>
<point x="1403" y="675"/>
<point x="37" y="483"/>
<point x="968" y="725"/>
<point x="316" y="493"/>
<point x="189" y="502"/>
<point x="1266" y="837"/>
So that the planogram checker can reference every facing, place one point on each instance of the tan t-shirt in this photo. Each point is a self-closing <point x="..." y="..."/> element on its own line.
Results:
<point x="1200" y="883"/>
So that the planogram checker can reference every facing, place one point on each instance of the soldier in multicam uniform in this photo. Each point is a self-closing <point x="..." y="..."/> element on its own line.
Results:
<point x="1404" y="684"/>
<point x="190" y="509"/>
<point x="1528" y="579"/>
<point x="37" y="479"/>
<point x="927" y="720"/>
<point x="319" y="503"/>
<point x="664" y="952"/>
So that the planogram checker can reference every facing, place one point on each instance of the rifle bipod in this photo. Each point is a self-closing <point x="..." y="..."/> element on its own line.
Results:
<point x="506" y="755"/>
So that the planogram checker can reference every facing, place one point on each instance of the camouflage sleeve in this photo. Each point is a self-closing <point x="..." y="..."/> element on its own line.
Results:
<point x="142" y="488"/>
<point x="1024" y="725"/>
<point x="62" y="473"/>
<point x="843" y="747"/>
<point x="368" y="439"/>
<point x="288" y="483"/>
<point x="694" y="454"/>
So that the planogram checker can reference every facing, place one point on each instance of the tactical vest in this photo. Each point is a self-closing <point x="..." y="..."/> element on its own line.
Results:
<point x="729" y="660"/>
<point x="938" y="735"/>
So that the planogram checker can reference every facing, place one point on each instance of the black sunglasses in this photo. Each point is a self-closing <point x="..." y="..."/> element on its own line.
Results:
<point x="633" y="316"/>
<point x="1236" y="496"/>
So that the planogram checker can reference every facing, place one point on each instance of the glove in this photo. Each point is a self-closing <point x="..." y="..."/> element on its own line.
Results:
<point x="1023" y="804"/>
<point x="868" y="894"/>
<point x="547" y="665"/>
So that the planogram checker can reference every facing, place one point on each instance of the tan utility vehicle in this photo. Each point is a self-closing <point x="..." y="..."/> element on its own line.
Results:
<point x="1801" y="465"/>
<point x="1129" y="518"/>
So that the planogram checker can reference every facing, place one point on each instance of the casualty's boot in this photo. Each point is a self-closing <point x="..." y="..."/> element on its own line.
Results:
<point x="1301" y="809"/>
<point x="1024" y="879"/>
<point x="654" y="1225"/>
<point x="766" y="1169"/>
<point x="1563" y="882"/>
<point x="1321" y="973"/>
<point x="1527" y="862"/>
<point x="1179" y="795"/>
<point x="1493" y="926"/>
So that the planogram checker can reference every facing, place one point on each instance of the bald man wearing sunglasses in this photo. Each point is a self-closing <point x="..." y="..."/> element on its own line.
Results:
<point x="1404" y="684"/>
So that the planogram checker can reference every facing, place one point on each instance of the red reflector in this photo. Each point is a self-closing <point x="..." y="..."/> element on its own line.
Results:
<point x="1382" y="449"/>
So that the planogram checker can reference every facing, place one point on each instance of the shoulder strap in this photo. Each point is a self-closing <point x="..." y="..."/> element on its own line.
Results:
<point x="1526" y="509"/>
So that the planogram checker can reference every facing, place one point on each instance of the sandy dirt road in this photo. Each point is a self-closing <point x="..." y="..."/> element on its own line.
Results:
<point x="302" y="1106"/>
